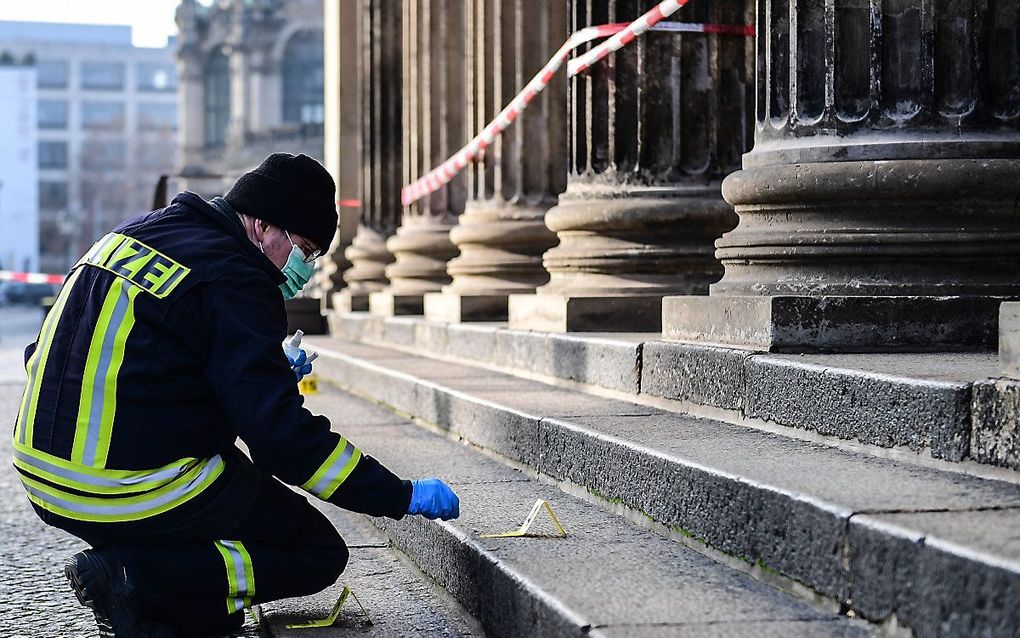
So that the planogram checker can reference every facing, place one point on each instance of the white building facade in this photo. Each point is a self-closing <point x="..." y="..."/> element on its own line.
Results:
<point x="106" y="124"/>
<point x="19" y="209"/>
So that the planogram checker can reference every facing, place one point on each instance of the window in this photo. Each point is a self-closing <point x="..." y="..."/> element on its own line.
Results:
<point x="102" y="155"/>
<point x="104" y="76"/>
<point x="155" y="115"/>
<point x="303" y="78"/>
<point x="51" y="74"/>
<point x="53" y="195"/>
<point x="156" y="77"/>
<point x="52" y="114"/>
<point x="217" y="98"/>
<point x="102" y="115"/>
<point x="52" y="154"/>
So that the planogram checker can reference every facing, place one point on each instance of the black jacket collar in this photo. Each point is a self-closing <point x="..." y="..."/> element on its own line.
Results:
<point x="231" y="224"/>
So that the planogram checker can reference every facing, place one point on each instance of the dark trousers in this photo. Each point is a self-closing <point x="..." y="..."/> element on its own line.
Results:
<point x="253" y="540"/>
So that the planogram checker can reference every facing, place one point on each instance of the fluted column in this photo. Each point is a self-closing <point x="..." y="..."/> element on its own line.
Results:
<point x="433" y="110"/>
<point x="502" y="234"/>
<point x="653" y="130"/>
<point x="373" y="116"/>
<point x="878" y="208"/>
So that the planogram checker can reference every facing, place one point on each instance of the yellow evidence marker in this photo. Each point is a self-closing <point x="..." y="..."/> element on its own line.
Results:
<point x="333" y="615"/>
<point x="308" y="385"/>
<point x="522" y="531"/>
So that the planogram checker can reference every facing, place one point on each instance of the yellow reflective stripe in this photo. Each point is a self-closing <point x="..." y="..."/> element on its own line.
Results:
<point x="334" y="471"/>
<point x="86" y="479"/>
<point x="89" y="386"/>
<point x="110" y="391"/>
<point x="116" y="510"/>
<point x="37" y="363"/>
<point x="97" y="404"/>
<point x="240" y="574"/>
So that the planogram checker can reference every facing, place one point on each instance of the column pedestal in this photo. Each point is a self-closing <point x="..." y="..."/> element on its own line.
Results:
<point x="874" y="215"/>
<point x="369" y="257"/>
<point x="422" y="247"/>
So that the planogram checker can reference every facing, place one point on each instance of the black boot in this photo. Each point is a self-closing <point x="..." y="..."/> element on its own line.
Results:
<point x="100" y="583"/>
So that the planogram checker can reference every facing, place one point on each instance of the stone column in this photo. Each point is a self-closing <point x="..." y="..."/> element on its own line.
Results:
<point x="377" y="107"/>
<point x="190" y="62"/>
<point x="878" y="208"/>
<point x="433" y="108"/>
<point x="341" y="135"/>
<point x="653" y="130"/>
<point x="502" y="233"/>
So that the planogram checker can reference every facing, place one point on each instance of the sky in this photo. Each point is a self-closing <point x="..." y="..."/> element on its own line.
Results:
<point x="151" y="21"/>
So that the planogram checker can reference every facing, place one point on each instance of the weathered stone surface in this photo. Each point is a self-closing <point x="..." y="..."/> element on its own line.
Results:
<point x="476" y="343"/>
<point x="699" y="374"/>
<point x="1009" y="339"/>
<point x="995" y="438"/>
<point x="522" y="350"/>
<point x="596" y="360"/>
<point x="869" y="407"/>
<point x="456" y="308"/>
<point x="387" y="304"/>
<point x="608" y="573"/>
<point x="941" y="573"/>
<point x="551" y="312"/>
<point x="760" y="496"/>
<point x="399" y="331"/>
<point x="834" y="323"/>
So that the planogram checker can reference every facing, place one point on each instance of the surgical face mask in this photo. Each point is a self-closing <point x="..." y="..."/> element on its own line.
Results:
<point x="296" y="270"/>
<point x="297" y="273"/>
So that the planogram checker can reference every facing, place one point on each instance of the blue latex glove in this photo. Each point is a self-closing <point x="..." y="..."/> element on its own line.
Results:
<point x="299" y="363"/>
<point x="433" y="499"/>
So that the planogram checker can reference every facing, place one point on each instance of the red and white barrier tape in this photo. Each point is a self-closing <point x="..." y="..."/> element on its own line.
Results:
<point x="621" y="34"/>
<point x="30" y="277"/>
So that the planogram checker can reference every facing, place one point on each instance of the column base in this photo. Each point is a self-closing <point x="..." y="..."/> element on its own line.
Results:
<point x="1009" y="339"/>
<point x="454" y="308"/>
<point x="387" y="304"/>
<point x="562" y="313"/>
<point x="835" y="323"/>
<point x="346" y="301"/>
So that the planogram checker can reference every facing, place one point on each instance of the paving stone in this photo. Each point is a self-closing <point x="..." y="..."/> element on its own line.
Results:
<point x="700" y="374"/>
<point x="471" y="341"/>
<point x="762" y="629"/>
<point x="868" y="407"/>
<point x="995" y="410"/>
<point x="600" y="361"/>
<point x="910" y="565"/>
<point x="523" y="350"/>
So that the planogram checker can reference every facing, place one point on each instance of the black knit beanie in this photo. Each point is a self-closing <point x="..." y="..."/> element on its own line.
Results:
<point x="293" y="192"/>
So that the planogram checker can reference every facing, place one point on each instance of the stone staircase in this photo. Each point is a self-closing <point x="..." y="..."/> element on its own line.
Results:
<point x="759" y="493"/>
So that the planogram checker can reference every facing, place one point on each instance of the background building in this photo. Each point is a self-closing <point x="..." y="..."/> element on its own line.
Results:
<point x="19" y="211"/>
<point x="107" y="116"/>
<point x="251" y="83"/>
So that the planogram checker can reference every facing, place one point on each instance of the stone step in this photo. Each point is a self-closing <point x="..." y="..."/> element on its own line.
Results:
<point x="400" y="600"/>
<point x="930" y="547"/>
<point x="608" y="577"/>
<point x="930" y="404"/>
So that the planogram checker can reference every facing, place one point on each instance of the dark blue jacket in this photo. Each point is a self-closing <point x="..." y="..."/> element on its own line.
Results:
<point x="162" y="348"/>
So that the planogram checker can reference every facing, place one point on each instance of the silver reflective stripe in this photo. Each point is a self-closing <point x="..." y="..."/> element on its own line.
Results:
<point x="102" y="370"/>
<point x="89" y="479"/>
<point x="240" y="574"/>
<point x="114" y="508"/>
<point x="334" y="471"/>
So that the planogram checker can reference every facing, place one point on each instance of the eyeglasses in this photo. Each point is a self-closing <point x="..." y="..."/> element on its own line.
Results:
<point x="309" y="256"/>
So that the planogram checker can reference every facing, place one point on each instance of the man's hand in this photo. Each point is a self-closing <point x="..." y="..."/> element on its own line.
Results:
<point x="300" y="364"/>
<point x="433" y="499"/>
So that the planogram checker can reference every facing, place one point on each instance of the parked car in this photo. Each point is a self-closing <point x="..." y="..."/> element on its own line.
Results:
<point x="17" y="292"/>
